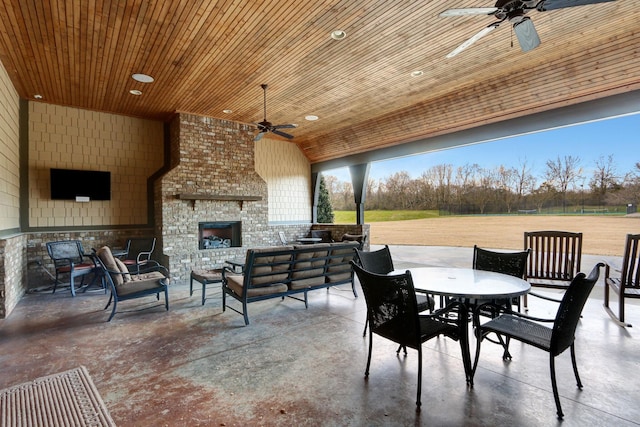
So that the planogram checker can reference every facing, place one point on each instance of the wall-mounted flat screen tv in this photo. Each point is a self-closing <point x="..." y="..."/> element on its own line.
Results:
<point x="68" y="184"/>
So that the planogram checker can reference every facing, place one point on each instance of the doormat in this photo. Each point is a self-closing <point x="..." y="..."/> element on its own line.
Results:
<point x="65" y="399"/>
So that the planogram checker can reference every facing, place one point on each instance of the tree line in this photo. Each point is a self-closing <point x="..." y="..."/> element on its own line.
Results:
<point x="472" y="189"/>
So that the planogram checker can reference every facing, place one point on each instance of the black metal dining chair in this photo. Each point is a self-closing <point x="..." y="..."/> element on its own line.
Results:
<point x="392" y="311"/>
<point x="380" y="262"/>
<point x="511" y="263"/>
<point x="554" y="340"/>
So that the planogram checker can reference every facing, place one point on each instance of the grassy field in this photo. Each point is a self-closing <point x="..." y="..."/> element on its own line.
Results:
<point x="349" y="217"/>
<point x="602" y="235"/>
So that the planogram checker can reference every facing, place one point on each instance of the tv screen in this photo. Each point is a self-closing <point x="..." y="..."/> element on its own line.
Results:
<point x="67" y="184"/>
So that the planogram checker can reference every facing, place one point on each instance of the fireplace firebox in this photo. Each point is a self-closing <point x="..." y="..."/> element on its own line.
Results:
<point x="219" y="234"/>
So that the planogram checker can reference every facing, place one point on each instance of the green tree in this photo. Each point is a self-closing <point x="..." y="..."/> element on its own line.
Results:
<point x="325" y="210"/>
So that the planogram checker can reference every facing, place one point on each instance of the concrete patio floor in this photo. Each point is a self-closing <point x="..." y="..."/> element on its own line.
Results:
<point x="197" y="366"/>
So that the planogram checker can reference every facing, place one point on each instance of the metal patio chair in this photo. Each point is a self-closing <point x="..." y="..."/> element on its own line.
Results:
<point x="138" y="252"/>
<point x="125" y="285"/>
<point x="380" y="262"/>
<point x="393" y="314"/>
<point x="511" y="263"/>
<point x="554" y="340"/>
<point x="69" y="258"/>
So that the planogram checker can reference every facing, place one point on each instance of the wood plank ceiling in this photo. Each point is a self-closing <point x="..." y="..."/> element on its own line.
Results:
<point x="208" y="56"/>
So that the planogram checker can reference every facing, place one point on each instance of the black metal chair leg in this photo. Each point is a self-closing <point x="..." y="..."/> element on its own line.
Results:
<point x="244" y="313"/>
<point x="555" y="386"/>
<point x="72" y="285"/>
<point x="366" y="323"/>
<point x="575" y="366"/>
<point x="506" y="355"/>
<point x="366" y="371"/>
<point x="113" y="311"/>
<point x="475" y="361"/>
<point x="418" y="398"/>
<point x="109" y="303"/>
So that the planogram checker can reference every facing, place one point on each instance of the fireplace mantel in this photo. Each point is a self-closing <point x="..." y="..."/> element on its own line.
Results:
<point x="224" y="197"/>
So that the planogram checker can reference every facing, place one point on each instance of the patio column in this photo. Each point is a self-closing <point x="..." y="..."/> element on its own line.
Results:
<point x="315" y="189"/>
<point x="359" y="178"/>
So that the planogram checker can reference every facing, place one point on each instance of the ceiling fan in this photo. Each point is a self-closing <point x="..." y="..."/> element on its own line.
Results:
<point x="513" y="11"/>
<point x="265" y="126"/>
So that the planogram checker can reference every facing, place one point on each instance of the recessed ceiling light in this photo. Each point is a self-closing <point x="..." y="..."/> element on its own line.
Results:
<point x="142" y="78"/>
<point x="311" y="117"/>
<point x="338" y="34"/>
<point x="227" y="111"/>
<point x="417" y="73"/>
<point x="135" y="92"/>
<point x="37" y="96"/>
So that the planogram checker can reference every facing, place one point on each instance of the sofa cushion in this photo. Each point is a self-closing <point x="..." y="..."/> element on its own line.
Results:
<point x="309" y="266"/>
<point x="142" y="282"/>
<point x="236" y="284"/>
<point x="338" y="267"/>
<point x="105" y="255"/>
<point x="268" y="269"/>
<point x="126" y="277"/>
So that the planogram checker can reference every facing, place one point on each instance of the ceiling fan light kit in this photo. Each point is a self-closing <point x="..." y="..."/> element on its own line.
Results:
<point x="527" y="35"/>
<point x="513" y="11"/>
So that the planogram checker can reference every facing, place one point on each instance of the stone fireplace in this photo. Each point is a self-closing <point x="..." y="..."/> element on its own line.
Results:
<point x="219" y="234"/>
<point x="211" y="180"/>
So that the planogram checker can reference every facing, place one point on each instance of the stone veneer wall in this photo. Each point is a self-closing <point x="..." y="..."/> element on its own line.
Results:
<point x="13" y="261"/>
<point x="208" y="157"/>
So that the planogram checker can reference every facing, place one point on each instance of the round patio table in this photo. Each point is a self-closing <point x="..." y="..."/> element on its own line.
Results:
<point x="466" y="284"/>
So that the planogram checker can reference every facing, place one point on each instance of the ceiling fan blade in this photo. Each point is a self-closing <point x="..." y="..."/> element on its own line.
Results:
<point x="527" y="34"/>
<point x="259" y="136"/>
<point x="486" y="30"/>
<point x="288" y="126"/>
<point x="286" y="135"/>
<point x="560" y="4"/>
<point x="469" y="11"/>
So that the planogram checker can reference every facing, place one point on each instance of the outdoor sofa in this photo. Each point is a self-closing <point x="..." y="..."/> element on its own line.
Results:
<point x="288" y="271"/>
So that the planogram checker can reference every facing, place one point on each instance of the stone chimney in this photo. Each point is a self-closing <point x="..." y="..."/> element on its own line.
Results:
<point x="212" y="178"/>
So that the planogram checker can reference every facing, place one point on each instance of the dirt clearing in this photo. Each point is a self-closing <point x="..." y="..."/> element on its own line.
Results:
<point x="602" y="235"/>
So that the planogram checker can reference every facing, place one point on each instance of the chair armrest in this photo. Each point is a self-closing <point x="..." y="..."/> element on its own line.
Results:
<point x="607" y="270"/>
<point x="498" y="309"/>
<point x="157" y="267"/>
<point x="533" y="294"/>
<point x="118" y="272"/>
<point x="228" y="270"/>
<point x="145" y="255"/>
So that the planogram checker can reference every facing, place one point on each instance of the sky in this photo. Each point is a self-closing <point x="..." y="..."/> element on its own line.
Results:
<point x="619" y="137"/>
